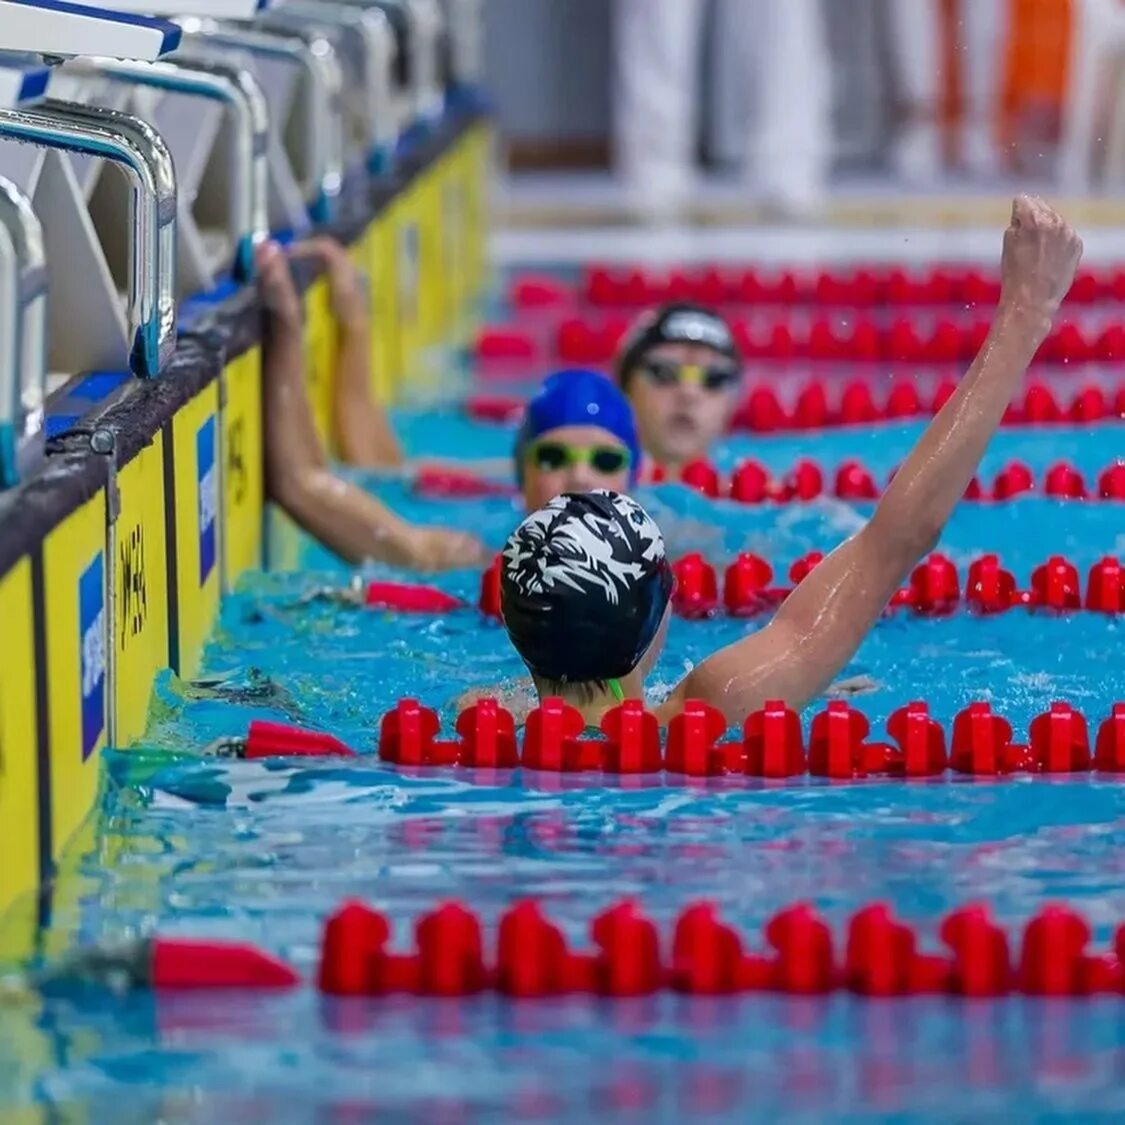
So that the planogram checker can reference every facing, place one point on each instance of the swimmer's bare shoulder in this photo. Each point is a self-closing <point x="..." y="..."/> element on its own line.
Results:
<point x="516" y="696"/>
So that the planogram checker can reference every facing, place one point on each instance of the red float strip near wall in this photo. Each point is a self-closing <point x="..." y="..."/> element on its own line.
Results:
<point x="772" y="743"/>
<point x="633" y="287"/>
<point x="184" y="963"/>
<point x="935" y="587"/>
<point x="706" y="956"/>
<point x="814" y="338"/>
<point x="822" y="404"/>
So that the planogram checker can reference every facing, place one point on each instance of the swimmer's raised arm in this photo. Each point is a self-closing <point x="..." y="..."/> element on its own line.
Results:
<point x="821" y="624"/>
<point x="343" y="517"/>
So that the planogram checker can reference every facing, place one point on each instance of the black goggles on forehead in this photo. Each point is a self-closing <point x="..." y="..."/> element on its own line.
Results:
<point x="711" y="377"/>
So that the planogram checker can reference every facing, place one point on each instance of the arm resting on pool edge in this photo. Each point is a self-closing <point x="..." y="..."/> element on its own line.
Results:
<point x="821" y="624"/>
<point x="343" y="517"/>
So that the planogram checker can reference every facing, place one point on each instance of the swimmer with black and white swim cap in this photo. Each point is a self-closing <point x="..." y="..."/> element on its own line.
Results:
<point x="585" y="584"/>
<point x="584" y="589"/>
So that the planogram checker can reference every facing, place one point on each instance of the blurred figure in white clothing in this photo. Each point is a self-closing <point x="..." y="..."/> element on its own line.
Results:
<point x="657" y="51"/>
<point x="916" y="59"/>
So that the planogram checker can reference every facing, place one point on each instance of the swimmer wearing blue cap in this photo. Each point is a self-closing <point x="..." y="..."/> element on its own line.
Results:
<point x="578" y="435"/>
<point x="586" y="586"/>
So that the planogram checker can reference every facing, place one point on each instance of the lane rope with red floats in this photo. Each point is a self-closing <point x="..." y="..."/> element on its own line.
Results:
<point x="822" y="404"/>
<point x="529" y="956"/>
<point x="751" y="482"/>
<point x="633" y="287"/>
<point x="698" y="743"/>
<point x="803" y="336"/>
<point x="748" y="589"/>
<point x="880" y="955"/>
<point x="935" y="587"/>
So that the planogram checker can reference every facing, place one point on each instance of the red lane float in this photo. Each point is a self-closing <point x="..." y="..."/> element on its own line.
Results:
<point x="266" y="739"/>
<point x="181" y="963"/>
<point x="505" y="409"/>
<point x="746" y="586"/>
<point x="702" y="476"/>
<point x="499" y="342"/>
<point x="627" y="955"/>
<point x="990" y="588"/>
<point x="696" y="593"/>
<point x="772" y="744"/>
<point x="582" y="343"/>
<point x="408" y="597"/>
<point x="457" y="484"/>
<point x="531" y="292"/>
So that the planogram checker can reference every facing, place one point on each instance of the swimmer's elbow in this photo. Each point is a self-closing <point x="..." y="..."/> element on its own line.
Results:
<point x="282" y="487"/>
<point x="290" y="489"/>
<point x="925" y="540"/>
<point x="303" y="493"/>
<point x="903" y="542"/>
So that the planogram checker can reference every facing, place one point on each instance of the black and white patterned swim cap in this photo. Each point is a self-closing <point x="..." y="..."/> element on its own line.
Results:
<point x="583" y="586"/>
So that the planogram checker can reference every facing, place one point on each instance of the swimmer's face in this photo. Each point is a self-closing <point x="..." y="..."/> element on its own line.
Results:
<point x="573" y="459"/>
<point x="680" y="418"/>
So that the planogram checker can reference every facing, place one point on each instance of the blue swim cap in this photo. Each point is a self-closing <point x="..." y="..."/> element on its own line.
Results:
<point x="579" y="397"/>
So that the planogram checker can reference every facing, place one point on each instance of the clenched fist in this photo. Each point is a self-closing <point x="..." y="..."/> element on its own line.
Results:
<point x="347" y="284"/>
<point x="275" y="284"/>
<point x="1041" y="253"/>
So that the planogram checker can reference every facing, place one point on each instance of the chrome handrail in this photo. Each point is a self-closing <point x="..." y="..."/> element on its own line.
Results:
<point x="316" y="57"/>
<point x="365" y="43"/>
<point x="429" y="95"/>
<point x="421" y="24"/>
<point x="23" y="329"/>
<point x="242" y="94"/>
<point x="135" y="147"/>
<point x="464" y="22"/>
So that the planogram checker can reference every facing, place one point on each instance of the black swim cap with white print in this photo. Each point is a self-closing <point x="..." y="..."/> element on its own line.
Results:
<point x="583" y="586"/>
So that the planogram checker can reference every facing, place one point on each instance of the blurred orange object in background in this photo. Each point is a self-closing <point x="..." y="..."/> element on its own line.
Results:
<point x="1035" y="69"/>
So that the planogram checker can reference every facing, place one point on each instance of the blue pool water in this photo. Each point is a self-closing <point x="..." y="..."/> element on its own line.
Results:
<point x="261" y="851"/>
